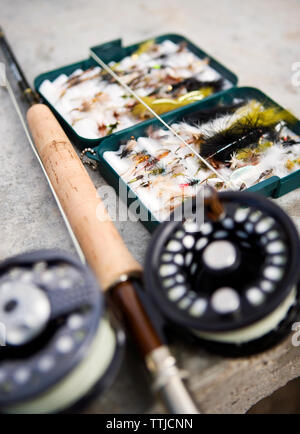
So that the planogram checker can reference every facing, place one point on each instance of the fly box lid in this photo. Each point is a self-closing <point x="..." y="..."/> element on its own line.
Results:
<point x="171" y="79"/>
<point x="114" y="52"/>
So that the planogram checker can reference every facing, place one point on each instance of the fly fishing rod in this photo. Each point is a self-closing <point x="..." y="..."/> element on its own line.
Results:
<point x="116" y="270"/>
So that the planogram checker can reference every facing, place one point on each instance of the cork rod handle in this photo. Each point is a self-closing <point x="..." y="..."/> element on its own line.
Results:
<point x="104" y="249"/>
<point x="100" y="241"/>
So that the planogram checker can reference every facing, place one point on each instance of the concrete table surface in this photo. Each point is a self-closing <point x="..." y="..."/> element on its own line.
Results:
<point x="259" y="41"/>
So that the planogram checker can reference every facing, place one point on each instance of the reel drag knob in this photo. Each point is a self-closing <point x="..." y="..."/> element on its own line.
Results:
<point x="220" y="256"/>
<point x="25" y="311"/>
<point x="60" y="346"/>
<point x="231" y="280"/>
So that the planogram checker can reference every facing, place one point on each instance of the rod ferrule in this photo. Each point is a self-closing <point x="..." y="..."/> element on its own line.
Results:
<point x="168" y="381"/>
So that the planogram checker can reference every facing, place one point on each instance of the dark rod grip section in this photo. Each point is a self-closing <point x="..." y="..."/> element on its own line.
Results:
<point x="136" y="319"/>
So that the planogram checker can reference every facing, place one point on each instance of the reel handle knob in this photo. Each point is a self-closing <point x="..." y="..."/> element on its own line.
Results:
<point x="212" y="204"/>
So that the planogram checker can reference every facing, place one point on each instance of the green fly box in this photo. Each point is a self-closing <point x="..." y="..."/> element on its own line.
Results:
<point x="176" y="107"/>
<point x="274" y="186"/>
<point x="114" y="52"/>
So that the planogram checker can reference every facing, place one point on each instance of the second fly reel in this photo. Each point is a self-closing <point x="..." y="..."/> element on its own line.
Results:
<point x="233" y="280"/>
<point x="60" y="347"/>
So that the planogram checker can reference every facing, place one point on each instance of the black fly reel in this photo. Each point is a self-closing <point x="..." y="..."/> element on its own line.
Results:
<point x="58" y="345"/>
<point x="231" y="281"/>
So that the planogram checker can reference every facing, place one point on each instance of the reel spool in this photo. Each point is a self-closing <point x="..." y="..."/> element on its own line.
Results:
<point x="60" y="346"/>
<point x="232" y="281"/>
